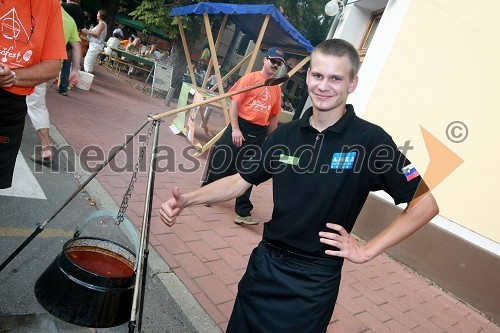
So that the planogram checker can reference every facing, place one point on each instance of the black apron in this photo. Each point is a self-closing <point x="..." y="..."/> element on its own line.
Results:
<point x="13" y="111"/>
<point x="283" y="291"/>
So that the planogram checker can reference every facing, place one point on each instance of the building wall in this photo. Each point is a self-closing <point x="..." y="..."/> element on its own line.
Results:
<point x="440" y="69"/>
<point x="430" y="64"/>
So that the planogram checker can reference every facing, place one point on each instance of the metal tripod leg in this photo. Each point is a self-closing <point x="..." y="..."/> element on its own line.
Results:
<point x="41" y="226"/>
<point x="142" y="256"/>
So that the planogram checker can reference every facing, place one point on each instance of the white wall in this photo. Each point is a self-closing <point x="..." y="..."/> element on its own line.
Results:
<point x="431" y="63"/>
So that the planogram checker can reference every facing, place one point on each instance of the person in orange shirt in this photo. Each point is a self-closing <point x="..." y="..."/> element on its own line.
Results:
<point x="125" y="42"/>
<point x="36" y="102"/>
<point x="31" y="50"/>
<point x="253" y="115"/>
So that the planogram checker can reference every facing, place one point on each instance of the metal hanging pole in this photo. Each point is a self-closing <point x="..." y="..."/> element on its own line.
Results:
<point x="142" y="256"/>
<point x="41" y="226"/>
<point x="268" y="82"/>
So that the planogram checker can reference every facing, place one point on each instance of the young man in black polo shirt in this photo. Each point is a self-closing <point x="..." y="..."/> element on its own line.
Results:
<point x="323" y="167"/>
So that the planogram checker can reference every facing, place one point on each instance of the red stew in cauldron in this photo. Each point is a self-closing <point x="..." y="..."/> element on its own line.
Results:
<point x="101" y="261"/>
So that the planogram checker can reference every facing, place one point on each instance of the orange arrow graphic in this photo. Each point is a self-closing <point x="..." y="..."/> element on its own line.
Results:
<point x="442" y="161"/>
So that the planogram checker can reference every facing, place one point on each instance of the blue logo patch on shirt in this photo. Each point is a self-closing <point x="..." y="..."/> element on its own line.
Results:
<point x="343" y="160"/>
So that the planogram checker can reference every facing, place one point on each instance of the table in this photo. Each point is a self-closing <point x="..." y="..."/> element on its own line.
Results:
<point x="134" y="60"/>
<point x="134" y="57"/>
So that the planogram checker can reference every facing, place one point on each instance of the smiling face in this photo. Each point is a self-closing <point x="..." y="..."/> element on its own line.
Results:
<point x="329" y="82"/>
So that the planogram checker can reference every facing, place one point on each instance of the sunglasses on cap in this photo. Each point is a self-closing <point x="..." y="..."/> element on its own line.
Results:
<point x="275" y="61"/>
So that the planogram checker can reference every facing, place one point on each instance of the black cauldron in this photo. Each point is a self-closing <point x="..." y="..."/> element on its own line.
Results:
<point x="85" y="291"/>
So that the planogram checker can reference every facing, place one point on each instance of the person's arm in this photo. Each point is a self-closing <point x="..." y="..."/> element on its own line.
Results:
<point x="233" y="117"/>
<point x="76" y="47"/>
<point x="273" y="118"/>
<point x="98" y="29"/>
<point x="418" y="213"/>
<point x="273" y="123"/>
<point x="29" y="76"/>
<point x="221" y="190"/>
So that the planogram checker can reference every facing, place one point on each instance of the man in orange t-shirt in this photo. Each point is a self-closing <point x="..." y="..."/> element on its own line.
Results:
<point x="31" y="49"/>
<point x="253" y="115"/>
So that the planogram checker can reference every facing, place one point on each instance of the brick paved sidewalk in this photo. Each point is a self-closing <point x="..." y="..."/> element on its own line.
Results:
<point x="208" y="252"/>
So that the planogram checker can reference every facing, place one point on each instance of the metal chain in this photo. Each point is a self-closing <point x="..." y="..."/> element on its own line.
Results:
<point x="124" y="205"/>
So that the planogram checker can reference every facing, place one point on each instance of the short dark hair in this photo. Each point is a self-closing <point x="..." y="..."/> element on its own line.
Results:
<point x="339" y="48"/>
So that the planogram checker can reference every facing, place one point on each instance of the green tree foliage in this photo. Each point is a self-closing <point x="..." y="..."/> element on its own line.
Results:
<point x="307" y="16"/>
<point x="154" y="13"/>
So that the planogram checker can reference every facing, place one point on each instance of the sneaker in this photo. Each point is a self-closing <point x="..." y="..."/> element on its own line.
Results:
<point x="245" y="220"/>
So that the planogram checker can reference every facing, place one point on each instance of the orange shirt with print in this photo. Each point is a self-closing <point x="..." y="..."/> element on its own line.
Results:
<point x="257" y="105"/>
<point x="19" y="47"/>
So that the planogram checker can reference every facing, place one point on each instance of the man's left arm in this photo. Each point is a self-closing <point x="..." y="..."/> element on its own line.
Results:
<point x="276" y="109"/>
<point x="76" y="58"/>
<point x="273" y="123"/>
<point x="418" y="213"/>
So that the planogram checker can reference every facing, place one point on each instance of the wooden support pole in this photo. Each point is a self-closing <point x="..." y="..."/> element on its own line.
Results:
<point x="209" y="143"/>
<point x="186" y="51"/>
<point x="258" y="43"/>
<point x="299" y="66"/>
<point x="213" y="52"/>
<point x="235" y="68"/>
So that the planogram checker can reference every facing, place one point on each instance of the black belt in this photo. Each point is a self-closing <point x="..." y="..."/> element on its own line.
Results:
<point x="333" y="261"/>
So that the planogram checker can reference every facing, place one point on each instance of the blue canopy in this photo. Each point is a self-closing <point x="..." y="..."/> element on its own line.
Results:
<point x="249" y="19"/>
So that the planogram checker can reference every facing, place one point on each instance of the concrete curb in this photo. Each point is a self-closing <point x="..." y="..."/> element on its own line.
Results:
<point x="189" y="306"/>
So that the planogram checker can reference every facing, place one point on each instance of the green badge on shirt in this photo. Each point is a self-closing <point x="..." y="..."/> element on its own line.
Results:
<point x="289" y="159"/>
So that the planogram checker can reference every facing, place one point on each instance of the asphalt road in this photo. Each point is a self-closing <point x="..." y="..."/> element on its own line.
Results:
<point x="33" y="199"/>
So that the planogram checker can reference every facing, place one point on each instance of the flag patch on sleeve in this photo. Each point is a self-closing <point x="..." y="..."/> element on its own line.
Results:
<point x="410" y="172"/>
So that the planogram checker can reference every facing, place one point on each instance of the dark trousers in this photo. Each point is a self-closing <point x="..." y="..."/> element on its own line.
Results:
<point x="13" y="111"/>
<point x="283" y="291"/>
<point x="66" y="71"/>
<point x="225" y="159"/>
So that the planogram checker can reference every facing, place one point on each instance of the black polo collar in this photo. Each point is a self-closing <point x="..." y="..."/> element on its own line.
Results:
<point x="339" y="127"/>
